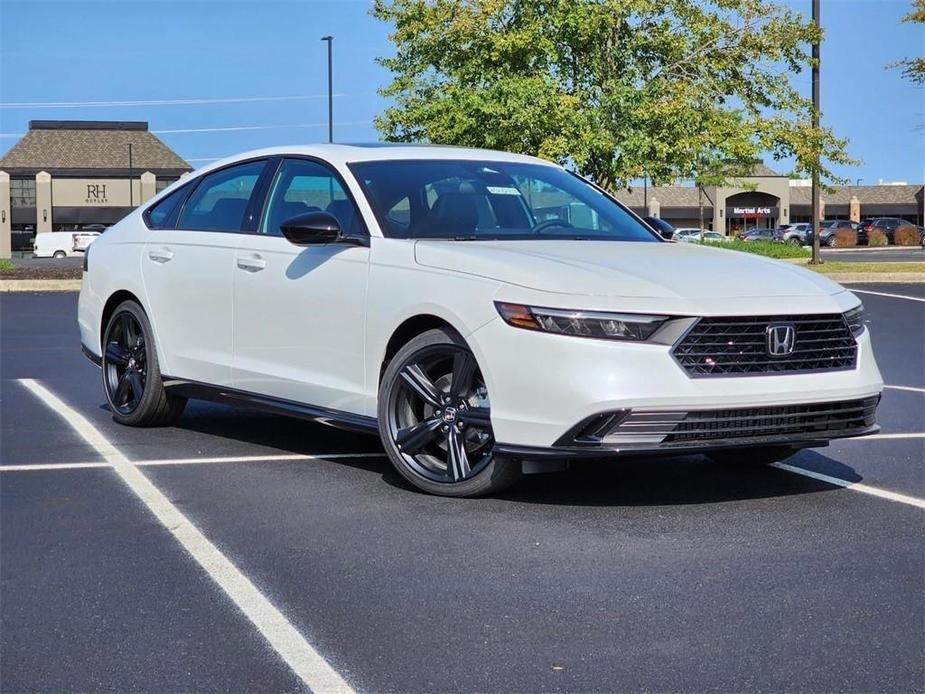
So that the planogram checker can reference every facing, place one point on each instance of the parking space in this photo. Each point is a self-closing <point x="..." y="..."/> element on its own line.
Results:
<point x="673" y="575"/>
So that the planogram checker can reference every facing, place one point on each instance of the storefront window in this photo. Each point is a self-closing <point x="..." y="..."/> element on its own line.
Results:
<point x="22" y="192"/>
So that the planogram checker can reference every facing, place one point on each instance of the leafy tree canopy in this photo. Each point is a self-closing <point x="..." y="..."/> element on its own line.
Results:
<point x="616" y="88"/>
<point x="914" y="68"/>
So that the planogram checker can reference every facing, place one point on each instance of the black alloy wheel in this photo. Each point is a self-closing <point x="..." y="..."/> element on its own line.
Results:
<point x="131" y="372"/>
<point x="125" y="363"/>
<point x="435" y="419"/>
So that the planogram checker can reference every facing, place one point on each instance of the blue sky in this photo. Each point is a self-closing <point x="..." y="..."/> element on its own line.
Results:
<point x="183" y="50"/>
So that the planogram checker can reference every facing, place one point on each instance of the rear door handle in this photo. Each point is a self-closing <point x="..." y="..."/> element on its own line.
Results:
<point x="160" y="255"/>
<point x="252" y="263"/>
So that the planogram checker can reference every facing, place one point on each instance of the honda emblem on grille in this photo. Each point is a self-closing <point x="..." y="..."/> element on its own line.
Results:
<point x="781" y="338"/>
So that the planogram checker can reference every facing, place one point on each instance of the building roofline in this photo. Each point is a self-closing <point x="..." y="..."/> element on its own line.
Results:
<point x="88" y="125"/>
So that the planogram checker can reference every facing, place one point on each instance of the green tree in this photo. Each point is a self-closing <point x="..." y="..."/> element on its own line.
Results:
<point x="615" y="88"/>
<point x="914" y="68"/>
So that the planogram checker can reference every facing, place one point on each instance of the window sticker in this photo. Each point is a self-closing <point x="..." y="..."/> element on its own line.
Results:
<point x="502" y="190"/>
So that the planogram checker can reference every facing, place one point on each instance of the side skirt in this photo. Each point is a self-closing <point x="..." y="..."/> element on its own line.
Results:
<point x="264" y="403"/>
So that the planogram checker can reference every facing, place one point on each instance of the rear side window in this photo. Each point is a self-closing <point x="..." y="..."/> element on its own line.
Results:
<point x="160" y="215"/>
<point x="221" y="199"/>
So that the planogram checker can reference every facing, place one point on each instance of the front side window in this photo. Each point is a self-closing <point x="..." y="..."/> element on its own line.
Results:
<point x="470" y="200"/>
<point x="221" y="199"/>
<point x="304" y="186"/>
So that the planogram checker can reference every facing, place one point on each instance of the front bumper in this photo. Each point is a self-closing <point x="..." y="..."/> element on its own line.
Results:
<point x="543" y="386"/>
<point x="673" y="432"/>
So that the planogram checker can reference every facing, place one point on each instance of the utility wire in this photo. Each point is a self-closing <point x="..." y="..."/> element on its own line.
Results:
<point x="160" y="102"/>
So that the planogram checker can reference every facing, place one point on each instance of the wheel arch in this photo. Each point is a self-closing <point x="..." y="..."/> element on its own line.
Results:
<point x="109" y="307"/>
<point x="407" y="331"/>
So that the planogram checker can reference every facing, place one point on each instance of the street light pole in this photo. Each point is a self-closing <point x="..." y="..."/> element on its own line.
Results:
<point x="817" y="258"/>
<point x="131" y="175"/>
<point x="330" y="40"/>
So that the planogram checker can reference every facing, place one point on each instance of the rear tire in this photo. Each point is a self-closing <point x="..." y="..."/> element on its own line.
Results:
<point x="59" y="254"/>
<point x="752" y="457"/>
<point x="131" y="374"/>
<point x="434" y="401"/>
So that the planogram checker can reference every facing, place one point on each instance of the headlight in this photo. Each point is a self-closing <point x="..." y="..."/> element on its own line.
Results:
<point x="855" y="319"/>
<point x="605" y="325"/>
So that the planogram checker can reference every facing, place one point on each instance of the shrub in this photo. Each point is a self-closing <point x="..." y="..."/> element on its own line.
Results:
<point x="876" y="237"/>
<point x="769" y="249"/>
<point x="845" y="238"/>
<point x="906" y="235"/>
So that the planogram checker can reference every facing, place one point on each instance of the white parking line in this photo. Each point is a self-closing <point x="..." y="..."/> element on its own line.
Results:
<point x="911" y="389"/>
<point x="853" y="486"/>
<point x="291" y="646"/>
<point x="893" y="296"/>
<point x="889" y="436"/>
<point x="284" y="458"/>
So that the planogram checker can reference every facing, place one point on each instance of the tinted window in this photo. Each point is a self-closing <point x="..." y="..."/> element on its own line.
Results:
<point x="221" y="198"/>
<point x="491" y="200"/>
<point x="306" y="186"/>
<point x="158" y="216"/>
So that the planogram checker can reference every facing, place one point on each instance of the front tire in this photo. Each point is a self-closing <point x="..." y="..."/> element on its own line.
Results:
<point x="131" y="375"/>
<point x="435" y="419"/>
<point x="752" y="457"/>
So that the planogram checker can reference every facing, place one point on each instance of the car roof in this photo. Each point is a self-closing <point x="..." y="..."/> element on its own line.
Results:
<point x="339" y="154"/>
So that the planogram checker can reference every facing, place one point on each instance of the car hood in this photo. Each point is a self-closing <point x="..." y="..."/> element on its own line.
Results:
<point x="624" y="269"/>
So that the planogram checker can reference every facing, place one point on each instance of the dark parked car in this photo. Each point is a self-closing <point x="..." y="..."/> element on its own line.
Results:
<point x="829" y="229"/>
<point x="889" y="225"/>
<point x="664" y="229"/>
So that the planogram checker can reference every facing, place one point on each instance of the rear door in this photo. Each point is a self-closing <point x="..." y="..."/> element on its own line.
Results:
<point x="300" y="312"/>
<point x="187" y="269"/>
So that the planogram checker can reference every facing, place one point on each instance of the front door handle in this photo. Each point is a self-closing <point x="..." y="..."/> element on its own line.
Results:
<point x="253" y="263"/>
<point x="160" y="255"/>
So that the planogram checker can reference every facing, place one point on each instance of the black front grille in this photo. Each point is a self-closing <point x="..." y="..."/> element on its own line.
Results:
<point x="739" y="345"/>
<point x="827" y="419"/>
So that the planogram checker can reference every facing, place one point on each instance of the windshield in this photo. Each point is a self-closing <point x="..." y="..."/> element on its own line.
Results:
<point x="474" y="200"/>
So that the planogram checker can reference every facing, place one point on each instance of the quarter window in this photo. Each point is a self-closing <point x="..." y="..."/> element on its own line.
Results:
<point x="220" y="201"/>
<point x="159" y="215"/>
<point x="306" y="186"/>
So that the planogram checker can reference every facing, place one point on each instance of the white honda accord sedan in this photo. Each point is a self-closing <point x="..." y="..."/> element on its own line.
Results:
<point x="479" y="310"/>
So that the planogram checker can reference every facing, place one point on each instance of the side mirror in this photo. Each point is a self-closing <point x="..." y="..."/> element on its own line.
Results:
<point x="312" y="228"/>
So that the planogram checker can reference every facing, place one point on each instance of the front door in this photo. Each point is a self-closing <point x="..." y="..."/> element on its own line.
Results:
<point x="187" y="271"/>
<point x="300" y="312"/>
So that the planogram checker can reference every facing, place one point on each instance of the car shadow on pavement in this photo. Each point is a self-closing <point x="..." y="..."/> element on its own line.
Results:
<point x="676" y="481"/>
<point x="648" y="481"/>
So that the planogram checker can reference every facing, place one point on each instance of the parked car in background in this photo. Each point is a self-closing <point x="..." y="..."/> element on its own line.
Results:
<point x="778" y="233"/>
<point x="708" y="236"/>
<point x="829" y="229"/>
<point x="888" y="225"/>
<point x="82" y="239"/>
<point x="53" y="244"/>
<point x="62" y="244"/>
<point x="685" y="231"/>
<point x="757" y="234"/>
<point x="799" y="234"/>
<point x="663" y="228"/>
<point x="413" y="292"/>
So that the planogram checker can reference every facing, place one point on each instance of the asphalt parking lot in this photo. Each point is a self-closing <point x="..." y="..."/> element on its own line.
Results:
<point x="676" y="575"/>
<point x="891" y="254"/>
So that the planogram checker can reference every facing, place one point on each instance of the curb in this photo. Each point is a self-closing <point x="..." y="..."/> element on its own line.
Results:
<point x="877" y="277"/>
<point x="39" y="285"/>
